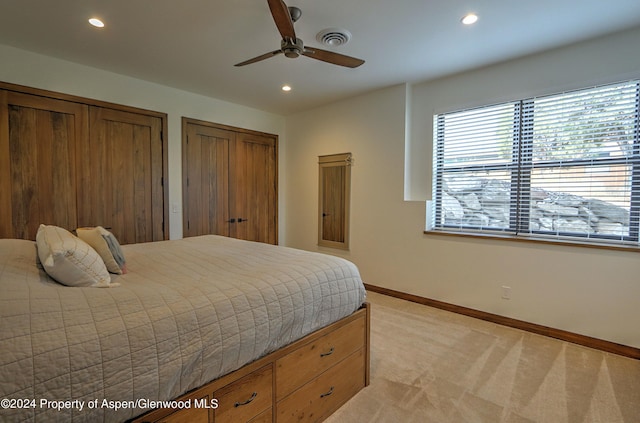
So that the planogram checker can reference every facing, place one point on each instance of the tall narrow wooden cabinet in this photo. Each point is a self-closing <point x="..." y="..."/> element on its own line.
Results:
<point x="73" y="162"/>
<point x="229" y="182"/>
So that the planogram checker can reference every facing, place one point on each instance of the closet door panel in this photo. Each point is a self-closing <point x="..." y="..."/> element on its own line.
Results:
<point x="206" y="168"/>
<point x="253" y="187"/>
<point x="121" y="175"/>
<point x="38" y="146"/>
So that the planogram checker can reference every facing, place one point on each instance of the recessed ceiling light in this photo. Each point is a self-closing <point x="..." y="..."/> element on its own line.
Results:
<point x="470" y="19"/>
<point x="286" y="88"/>
<point x="96" y="22"/>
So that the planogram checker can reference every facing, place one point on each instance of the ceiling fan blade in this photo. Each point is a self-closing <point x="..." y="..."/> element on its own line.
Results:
<point x="259" y="58"/>
<point x="331" y="57"/>
<point x="282" y="17"/>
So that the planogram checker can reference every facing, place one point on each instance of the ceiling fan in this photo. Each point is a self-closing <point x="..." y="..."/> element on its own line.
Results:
<point x="293" y="46"/>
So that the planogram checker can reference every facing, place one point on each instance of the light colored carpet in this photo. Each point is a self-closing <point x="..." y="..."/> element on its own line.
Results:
<point x="430" y="365"/>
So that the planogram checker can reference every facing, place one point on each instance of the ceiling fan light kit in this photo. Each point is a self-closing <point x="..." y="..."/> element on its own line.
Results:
<point x="292" y="46"/>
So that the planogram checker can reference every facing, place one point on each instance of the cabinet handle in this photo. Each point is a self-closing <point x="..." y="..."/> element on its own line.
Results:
<point x="231" y="221"/>
<point x="327" y="353"/>
<point x="326" y="394"/>
<point x="240" y="220"/>
<point x="253" y="396"/>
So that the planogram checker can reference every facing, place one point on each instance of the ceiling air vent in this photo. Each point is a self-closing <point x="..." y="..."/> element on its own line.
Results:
<point x="333" y="37"/>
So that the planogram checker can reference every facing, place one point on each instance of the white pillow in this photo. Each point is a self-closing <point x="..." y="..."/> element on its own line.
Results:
<point x="105" y="244"/>
<point x="69" y="260"/>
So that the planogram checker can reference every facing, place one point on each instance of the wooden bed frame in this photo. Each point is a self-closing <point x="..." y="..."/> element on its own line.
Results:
<point x="305" y="381"/>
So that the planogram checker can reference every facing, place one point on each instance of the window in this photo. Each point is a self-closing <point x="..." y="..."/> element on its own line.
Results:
<point x="560" y="167"/>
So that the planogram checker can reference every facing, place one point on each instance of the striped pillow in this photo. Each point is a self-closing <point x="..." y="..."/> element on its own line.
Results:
<point x="105" y="244"/>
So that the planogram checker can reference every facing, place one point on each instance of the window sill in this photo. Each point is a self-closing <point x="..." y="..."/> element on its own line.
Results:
<point x="515" y="238"/>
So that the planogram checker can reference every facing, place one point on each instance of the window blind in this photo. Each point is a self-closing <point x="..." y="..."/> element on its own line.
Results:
<point x="563" y="166"/>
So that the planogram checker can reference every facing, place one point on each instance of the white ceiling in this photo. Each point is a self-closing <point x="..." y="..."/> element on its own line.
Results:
<point x="193" y="44"/>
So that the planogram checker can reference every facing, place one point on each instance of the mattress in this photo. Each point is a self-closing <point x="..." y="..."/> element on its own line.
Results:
<point x="187" y="312"/>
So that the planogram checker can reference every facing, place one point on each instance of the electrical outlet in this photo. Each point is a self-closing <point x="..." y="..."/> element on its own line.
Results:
<point x="506" y="292"/>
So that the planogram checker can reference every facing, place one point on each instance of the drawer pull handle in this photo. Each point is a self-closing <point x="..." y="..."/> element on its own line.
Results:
<point x="327" y="353"/>
<point x="326" y="394"/>
<point x="253" y="396"/>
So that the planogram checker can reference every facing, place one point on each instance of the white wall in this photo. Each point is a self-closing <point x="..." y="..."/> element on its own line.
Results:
<point x="594" y="292"/>
<point x="34" y="70"/>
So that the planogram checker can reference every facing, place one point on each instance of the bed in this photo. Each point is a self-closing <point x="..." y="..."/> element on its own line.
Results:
<point x="191" y="324"/>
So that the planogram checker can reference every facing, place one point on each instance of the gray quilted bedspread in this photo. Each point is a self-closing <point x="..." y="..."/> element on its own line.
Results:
<point x="187" y="312"/>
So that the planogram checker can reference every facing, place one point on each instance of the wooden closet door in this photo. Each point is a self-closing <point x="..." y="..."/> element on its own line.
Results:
<point x="229" y="182"/>
<point x="206" y="184"/>
<point x="120" y="175"/>
<point x="38" y="148"/>
<point x="253" y="194"/>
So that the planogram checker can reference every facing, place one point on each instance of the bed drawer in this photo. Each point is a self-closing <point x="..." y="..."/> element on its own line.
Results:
<point x="310" y="360"/>
<point x="264" y="417"/>
<point x="322" y="396"/>
<point x="246" y="398"/>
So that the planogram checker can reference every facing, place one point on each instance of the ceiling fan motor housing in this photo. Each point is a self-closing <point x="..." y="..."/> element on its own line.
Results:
<point x="292" y="48"/>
